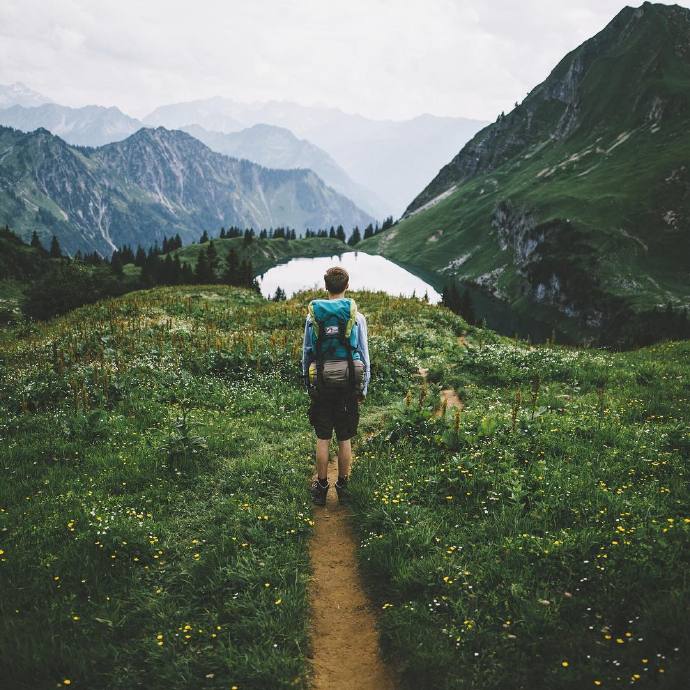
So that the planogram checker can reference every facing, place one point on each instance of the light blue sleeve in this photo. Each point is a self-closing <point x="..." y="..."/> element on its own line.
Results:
<point x="363" y="347"/>
<point x="307" y="352"/>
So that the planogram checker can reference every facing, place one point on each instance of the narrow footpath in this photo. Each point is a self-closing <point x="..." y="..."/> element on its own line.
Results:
<point x="344" y="636"/>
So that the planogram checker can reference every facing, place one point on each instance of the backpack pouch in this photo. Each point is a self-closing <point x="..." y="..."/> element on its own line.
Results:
<point x="336" y="374"/>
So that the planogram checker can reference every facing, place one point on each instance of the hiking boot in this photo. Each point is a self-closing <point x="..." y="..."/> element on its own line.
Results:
<point x="318" y="492"/>
<point x="342" y="490"/>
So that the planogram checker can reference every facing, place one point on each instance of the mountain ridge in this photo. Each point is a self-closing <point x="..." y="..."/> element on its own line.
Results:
<point x="278" y="148"/>
<point x="91" y="125"/>
<point x="560" y="86"/>
<point x="393" y="158"/>
<point x="154" y="183"/>
<point x="20" y="94"/>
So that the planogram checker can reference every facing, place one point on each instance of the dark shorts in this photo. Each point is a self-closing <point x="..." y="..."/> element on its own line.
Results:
<point x="328" y="412"/>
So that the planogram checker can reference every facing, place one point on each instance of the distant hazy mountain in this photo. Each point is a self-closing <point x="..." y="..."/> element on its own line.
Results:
<point x="91" y="125"/>
<point x="154" y="183"/>
<point x="394" y="159"/>
<point x="277" y="147"/>
<point x="20" y="94"/>
<point x="213" y="114"/>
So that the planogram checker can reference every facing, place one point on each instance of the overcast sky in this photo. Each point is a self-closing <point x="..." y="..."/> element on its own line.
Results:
<point x="381" y="58"/>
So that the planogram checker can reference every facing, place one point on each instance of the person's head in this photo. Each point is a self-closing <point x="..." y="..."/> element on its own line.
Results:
<point x="337" y="280"/>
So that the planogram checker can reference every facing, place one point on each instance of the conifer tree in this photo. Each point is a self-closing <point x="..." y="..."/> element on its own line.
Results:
<point x="212" y="256"/>
<point x="116" y="263"/>
<point x="231" y="273"/>
<point x="466" y="308"/>
<point x="140" y="258"/>
<point x="36" y="242"/>
<point x="203" y="273"/>
<point x="387" y="223"/>
<point x="55" y="250"/>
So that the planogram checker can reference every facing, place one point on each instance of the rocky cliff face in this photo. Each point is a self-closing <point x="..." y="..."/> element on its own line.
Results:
<point x="152" y="184"/>
<point x="538" y="253"/>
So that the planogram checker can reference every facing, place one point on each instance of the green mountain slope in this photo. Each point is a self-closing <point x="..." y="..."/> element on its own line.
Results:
<point x="152" y="184"/>
<point x="572" y="211"/>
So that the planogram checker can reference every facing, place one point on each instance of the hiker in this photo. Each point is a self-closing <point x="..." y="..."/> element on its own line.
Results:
<point x="335" y="364"/>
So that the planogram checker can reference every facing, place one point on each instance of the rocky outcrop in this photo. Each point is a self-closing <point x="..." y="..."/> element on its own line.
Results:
<point x="543" y="255"/>
<point x="515" y="230"/>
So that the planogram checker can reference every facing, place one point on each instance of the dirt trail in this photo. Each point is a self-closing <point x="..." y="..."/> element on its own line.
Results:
<point x="448" y="394"/>
<point x="344" y="637"/>
<point x="451" y="397"/>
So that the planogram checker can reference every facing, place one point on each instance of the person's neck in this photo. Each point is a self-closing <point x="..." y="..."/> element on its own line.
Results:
<point x="339" y="295"/>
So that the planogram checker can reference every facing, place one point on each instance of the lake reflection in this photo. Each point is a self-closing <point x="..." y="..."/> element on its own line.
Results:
<point x="367" y="272"/>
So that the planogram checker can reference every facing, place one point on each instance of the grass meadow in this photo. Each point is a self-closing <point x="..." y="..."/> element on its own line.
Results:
<point x="154" y="518"/>
<point x="539" y="537"/>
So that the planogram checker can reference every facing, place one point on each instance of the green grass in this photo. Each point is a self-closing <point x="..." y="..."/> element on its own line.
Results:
<point x="154" y="518"/>
<point x="539" y="540"/>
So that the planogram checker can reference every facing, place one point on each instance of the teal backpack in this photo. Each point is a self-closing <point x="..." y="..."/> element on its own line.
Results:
<point x="334" y="335"/>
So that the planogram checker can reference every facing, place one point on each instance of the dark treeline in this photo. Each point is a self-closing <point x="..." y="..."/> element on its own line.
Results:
<point x="57" y="283"/>
<point x="232" y="271"/>
<point x="459" y="302"/>
<point x="356" y="236"/>
<point x="622" y="328"/>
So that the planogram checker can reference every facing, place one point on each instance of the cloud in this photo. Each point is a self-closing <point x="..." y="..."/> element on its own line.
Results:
<point x="383" y="58"/>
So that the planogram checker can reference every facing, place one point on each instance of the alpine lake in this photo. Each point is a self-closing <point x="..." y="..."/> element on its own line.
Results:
<point x="367" y="272"/>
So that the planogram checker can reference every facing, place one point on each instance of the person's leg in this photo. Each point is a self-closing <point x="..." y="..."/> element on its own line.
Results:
<point x="322" y="458"/>
<point x="344" y="458"/>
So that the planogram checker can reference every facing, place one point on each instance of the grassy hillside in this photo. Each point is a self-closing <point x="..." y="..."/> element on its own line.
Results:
<point x="265" y="253"/>
<point x="154" y="515"/>
<point x="572" y="211"/>
<point x="578" y="207"/>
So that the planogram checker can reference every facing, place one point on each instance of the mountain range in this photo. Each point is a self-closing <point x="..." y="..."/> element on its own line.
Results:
<point x="394" y="159"/>
<point x="272" y="147"/>
<point x="379" y="164"/>
<point x="572" y="212"/>
<point x="278" y="147"/>
<point x="20" y="94"/>
<point x="92" y="125"/>
<point x="152" y="184"/>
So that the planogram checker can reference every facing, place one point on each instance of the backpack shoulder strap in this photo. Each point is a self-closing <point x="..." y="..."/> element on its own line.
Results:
<point x="352" y="320"/>
<point x="314" y="322"/>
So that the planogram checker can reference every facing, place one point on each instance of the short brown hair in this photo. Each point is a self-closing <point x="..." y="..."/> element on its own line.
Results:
<point x="337" y="279"/>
